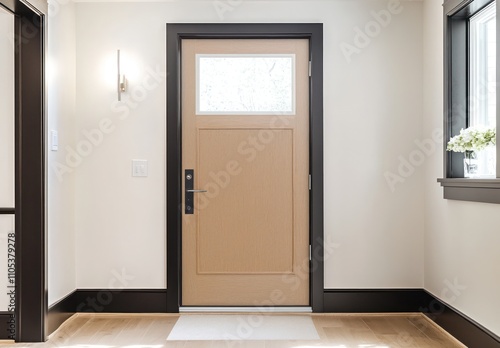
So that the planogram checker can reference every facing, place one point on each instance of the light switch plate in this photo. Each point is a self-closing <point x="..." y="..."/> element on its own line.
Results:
<point x="54" y="140"/>
<point x="139" y="168"/>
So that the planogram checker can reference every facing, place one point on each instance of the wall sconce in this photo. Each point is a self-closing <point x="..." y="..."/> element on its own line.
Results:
<point x="122" y="81"/>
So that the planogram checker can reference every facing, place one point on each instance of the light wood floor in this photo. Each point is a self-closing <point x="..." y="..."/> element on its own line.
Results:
<point x="336" y="331"/>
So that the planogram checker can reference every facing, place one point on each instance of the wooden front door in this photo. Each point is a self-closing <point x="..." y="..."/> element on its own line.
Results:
<point x="245" y="158"/>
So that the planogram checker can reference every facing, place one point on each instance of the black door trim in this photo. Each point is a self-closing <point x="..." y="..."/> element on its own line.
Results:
<point x="175" y="34"/>
<point x="31" y="288"/>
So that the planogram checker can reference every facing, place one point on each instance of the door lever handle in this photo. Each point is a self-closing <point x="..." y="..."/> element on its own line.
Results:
<point x="190" y="191"/>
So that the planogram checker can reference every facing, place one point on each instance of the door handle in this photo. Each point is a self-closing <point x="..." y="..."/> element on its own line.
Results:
<point x="190" y="191"/>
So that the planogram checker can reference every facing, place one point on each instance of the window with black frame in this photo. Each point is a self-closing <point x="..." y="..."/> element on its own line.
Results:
<point x="470" y="101"/>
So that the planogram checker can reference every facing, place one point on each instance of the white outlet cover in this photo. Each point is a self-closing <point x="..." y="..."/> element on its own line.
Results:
<point x="140" y="168"/>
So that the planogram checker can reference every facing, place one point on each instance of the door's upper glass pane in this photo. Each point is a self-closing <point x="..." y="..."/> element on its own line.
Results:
<point x="6" y="109"/>
<point x="249" y="84"/>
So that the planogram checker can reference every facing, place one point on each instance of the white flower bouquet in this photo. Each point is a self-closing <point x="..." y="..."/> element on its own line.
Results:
<point x="472" y="139"/>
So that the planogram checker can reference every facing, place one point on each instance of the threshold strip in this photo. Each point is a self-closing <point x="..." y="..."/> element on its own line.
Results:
<point x="262" y="310"/>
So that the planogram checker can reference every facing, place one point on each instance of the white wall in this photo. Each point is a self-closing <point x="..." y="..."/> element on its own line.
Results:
<point x="373" y="108"/>
<point x="372" y="117"/>
<point x="61" y="117"/>
<point x="461" y="238"/>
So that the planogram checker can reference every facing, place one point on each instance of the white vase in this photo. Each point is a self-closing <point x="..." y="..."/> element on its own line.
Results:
<point x="471" y="165"/>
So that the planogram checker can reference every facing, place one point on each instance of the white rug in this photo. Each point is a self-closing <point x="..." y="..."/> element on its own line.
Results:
<point x="243" y="327"/>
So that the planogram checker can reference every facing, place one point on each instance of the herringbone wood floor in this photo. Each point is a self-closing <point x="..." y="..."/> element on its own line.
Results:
<point x="336" y="331"/>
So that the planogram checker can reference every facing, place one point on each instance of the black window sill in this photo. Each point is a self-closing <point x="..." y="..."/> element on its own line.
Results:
<point x="472" y="190"/>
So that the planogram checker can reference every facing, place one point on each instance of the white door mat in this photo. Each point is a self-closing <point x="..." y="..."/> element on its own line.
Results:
<point x="243" y="327"/>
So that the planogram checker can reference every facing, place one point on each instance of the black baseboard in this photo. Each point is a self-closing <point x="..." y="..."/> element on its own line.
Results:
<point x="121" y="301"/>
<point x="60" y="312"/>
<point x="373" y="300"/>
<point x="460" y="326"/>
<point x="103" y="301"/>
<point x="466" y="330"/>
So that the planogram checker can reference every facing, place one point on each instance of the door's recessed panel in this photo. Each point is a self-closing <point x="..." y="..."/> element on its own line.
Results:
<point x="251" y="84"/>
<point x="246" y="216"/>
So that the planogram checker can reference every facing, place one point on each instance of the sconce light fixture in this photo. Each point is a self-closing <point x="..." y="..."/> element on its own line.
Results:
<point x="122" y="81"/>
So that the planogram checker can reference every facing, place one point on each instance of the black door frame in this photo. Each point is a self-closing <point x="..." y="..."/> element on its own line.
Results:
<point x="31" y="285"/>
<point x="175" y="34"/>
